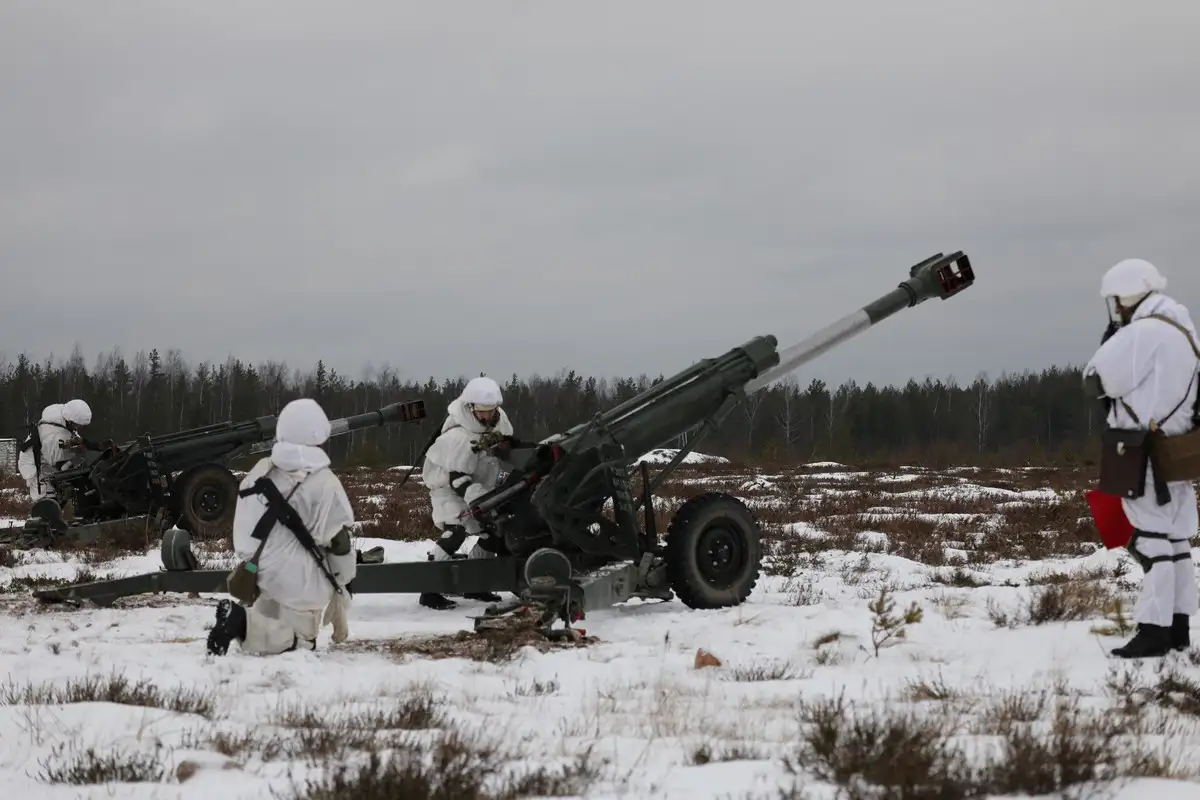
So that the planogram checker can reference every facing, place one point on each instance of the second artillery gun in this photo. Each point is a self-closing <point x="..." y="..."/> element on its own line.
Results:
<point x="177" y="479"/>
<point x="562" y="553"/>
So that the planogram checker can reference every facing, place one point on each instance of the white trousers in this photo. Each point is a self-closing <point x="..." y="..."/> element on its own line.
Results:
<point x="1169" y="583"/>
<point x="38" y="490"/>
<point x="451" y="539"/>
<point x="273" y="628"/>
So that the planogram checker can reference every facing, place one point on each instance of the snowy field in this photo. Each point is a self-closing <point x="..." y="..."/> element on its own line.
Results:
<point x="914" y="635"/>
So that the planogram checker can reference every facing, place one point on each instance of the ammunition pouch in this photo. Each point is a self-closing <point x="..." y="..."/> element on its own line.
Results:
<point x="1124" y="455"/>
<point x="1176" y="458"/>
<point x="340" y="544"/>
<point x="242" y="583"/>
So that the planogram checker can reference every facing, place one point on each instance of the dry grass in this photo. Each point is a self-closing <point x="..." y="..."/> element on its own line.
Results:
<point x="898" y="751"/>
<point x="74" y="766"/>
<point x="115" y="688"/>
<point x="1079" y="599"/>
<point x="455" y="768"/>
<point x="14" y="496"/>
<point x="410" y="750"/>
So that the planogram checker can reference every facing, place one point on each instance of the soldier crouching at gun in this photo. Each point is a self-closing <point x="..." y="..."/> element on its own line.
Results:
<point x="53" y="444"/>
<point x="292" y="525"/>
<point x="459" y="467"/>
<point x="1146" y="374"/>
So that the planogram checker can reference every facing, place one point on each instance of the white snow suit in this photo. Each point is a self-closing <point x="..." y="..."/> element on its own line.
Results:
<point x="456" y="475"/>
<point x="1151" y="366"/>
<point x="296" y="597"/>
<point x="51" y="429"/>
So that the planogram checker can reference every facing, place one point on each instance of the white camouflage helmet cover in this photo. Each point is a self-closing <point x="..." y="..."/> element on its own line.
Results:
<point x="78" y="412"/>
<point x="1131" y="280"/>
<point x="482" y="394"/>
<point x="303" y="422"/>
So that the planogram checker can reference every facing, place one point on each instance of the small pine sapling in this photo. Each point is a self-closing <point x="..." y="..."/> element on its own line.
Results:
<point x="886" y="626"/>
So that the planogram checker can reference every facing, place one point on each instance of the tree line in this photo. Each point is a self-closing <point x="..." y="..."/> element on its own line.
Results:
<point x="1030" y="418"/>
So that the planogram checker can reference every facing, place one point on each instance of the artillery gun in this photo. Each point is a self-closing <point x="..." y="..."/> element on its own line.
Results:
<point x="174" y="480"/>
<point x="561" y="554"/>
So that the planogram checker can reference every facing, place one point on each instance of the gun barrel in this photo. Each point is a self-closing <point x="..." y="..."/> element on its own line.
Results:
<point x="410" y="411"/>
<point x="667" y="409"/>
<point x="396" y="412"/>
<point x="937" y="276"/>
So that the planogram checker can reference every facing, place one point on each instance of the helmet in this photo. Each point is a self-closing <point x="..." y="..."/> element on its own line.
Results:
<point x="303" y="422"/>
<point x="1130" y="281"/>
<point x="483" y="398"/>
<point x="77" y="412"/>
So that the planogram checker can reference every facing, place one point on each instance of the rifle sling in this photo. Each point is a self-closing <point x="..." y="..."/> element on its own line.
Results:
<point x="1195" y="349"/>
<point x="279" y="510"/>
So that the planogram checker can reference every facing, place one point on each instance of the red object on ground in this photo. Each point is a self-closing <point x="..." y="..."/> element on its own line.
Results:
<point x="1109" y="515"/>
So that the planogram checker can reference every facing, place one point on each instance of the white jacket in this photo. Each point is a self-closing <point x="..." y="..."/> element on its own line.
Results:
<point x="286" y="571"/>
<point x="1152" y="367"/>
<point x="451" y="453"/>
<point x="52" y="429"/>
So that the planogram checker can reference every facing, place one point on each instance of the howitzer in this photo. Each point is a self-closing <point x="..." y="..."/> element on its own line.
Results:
<point x="178" y="479"/>
<point x="557" y="547"/>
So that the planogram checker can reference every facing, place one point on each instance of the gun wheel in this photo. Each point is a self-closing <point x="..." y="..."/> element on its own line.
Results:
<point x="206" y="498"/>
<point x="713" y="551"/>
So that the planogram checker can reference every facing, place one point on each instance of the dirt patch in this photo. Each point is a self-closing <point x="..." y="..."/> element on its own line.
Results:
<point x="494" y="645"/>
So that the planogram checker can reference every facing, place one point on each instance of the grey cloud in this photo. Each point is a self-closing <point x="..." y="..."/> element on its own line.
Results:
<point x="532" y="186"/>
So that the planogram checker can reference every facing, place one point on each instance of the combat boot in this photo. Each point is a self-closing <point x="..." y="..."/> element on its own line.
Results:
<point x="230" y="625"/>
<point x="1151" y="641"/>
<point x="486" y="597"/>
<point x="438" y="602"/>
<point x="1180" y="636"/>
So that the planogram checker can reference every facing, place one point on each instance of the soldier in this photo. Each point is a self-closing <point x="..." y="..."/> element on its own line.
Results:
<point x="1146" y="371"/>
<point x="459" y="468"/>
<point x="292" y="525"/>
<point x="50" y="445"/>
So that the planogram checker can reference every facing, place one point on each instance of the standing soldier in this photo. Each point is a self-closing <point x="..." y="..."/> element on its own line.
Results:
<point x="1146" y="371"/>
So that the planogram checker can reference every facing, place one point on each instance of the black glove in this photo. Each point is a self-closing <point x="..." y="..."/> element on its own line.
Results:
<point x="1112" y="328"/>
<point x="493" y="544"/>
<point x="498" y="442"/>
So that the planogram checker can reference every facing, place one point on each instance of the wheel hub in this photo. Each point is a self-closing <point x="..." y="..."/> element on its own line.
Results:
<point x="209" y="503"/>
<point x="720" y="555"/>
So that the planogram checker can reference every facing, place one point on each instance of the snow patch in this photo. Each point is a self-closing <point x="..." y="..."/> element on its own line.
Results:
<point x="664" y="455"/>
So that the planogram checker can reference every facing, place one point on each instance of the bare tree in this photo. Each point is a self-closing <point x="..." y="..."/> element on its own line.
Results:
<point x="789" y="405"/>
<point x="981" y="397"/>
<point x="750" y="407"/>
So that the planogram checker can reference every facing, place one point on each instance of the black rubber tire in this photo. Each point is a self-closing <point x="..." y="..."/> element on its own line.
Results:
<point x="701" y="528"/>
<point x="206" y="498"/>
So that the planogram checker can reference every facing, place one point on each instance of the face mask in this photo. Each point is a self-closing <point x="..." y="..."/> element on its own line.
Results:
<point x="488" y="418"/>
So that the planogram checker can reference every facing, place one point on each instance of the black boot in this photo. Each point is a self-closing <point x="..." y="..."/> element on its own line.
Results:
<point x="486" y="597"/>
<point x="438" y="602"/>
<point x="1151" y="641"/>
<point x="1180" y="638"/>
<point x="230" y="625"/>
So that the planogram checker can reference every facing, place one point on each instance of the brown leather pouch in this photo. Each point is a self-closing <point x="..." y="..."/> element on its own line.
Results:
<point x="1177" y="458"/>
<point x="243" y="583"/>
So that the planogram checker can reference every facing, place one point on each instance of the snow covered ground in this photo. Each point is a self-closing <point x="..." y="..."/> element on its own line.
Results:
<point x="994" y="643"/>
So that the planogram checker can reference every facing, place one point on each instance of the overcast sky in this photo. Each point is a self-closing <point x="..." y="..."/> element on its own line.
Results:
<point x="615" y="187"/>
